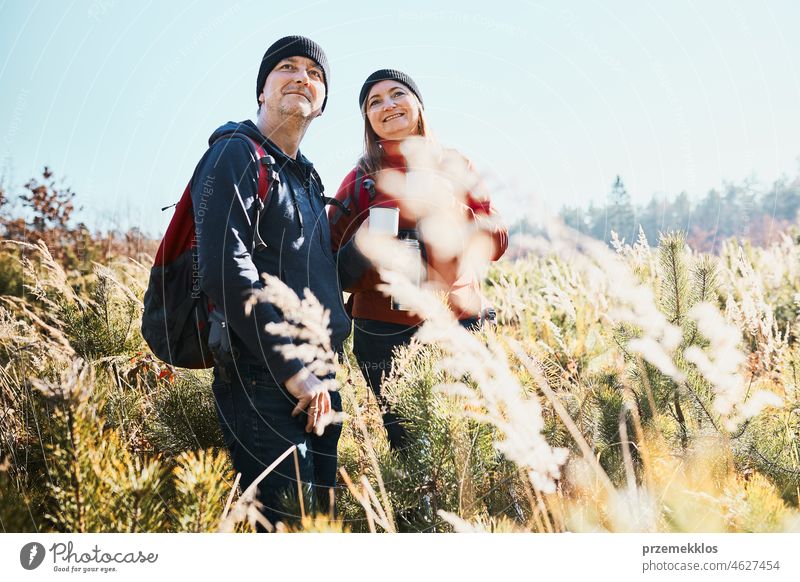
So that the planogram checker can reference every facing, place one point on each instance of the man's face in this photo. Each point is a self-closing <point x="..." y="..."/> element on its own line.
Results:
<point x="295" y="87"/>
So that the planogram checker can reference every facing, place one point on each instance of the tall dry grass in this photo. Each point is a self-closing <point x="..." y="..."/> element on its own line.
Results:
<point x="631" y="388"/>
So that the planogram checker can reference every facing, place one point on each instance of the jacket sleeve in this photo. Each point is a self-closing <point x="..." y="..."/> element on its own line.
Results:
<point x="479" y="210"/>
<point x="351" y="264"/>
<point x="224" y="191"/>
<point x="488" y="220"/>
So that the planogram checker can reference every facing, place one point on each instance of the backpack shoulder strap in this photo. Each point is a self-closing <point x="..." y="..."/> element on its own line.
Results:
<point x="363" y="182"/>
<point x="266" y="173"/>
<point x="359" y="179"/>
<point x="268" y="180"/>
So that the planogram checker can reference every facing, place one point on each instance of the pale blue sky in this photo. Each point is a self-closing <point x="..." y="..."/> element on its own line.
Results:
<point x="549" y="99"/>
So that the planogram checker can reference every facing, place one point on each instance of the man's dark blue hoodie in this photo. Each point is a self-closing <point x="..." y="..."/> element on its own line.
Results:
<point x="294" y="227"/>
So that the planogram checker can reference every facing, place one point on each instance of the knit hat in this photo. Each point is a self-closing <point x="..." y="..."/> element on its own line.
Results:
<point x="293" y="46"/>
<point x="387" y="75"/>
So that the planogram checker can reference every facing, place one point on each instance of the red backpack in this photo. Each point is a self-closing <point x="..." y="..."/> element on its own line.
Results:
<point x="177" y="314"/>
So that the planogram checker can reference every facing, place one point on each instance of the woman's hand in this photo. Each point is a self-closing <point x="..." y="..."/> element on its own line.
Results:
<point x="311" y="394"/>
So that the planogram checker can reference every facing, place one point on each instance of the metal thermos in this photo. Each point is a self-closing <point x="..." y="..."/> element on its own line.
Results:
<point x="413" y="253"/>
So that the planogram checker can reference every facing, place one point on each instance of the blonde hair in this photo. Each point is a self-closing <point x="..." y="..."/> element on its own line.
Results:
<point x="371" y="160"/>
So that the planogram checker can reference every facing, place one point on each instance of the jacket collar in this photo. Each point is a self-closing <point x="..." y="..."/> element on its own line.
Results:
<point x="280" y="157"/>
<point x="392" y="156"/>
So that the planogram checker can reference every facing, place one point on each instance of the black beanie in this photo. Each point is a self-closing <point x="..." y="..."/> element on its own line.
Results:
<point x="292" y="46"/>
<point x="387" y="75"/>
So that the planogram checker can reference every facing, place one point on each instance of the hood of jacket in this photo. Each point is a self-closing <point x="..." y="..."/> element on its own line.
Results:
<point x="249" y="129"/>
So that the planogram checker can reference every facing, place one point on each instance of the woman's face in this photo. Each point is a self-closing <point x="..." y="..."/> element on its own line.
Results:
<point x="392" y="110"/>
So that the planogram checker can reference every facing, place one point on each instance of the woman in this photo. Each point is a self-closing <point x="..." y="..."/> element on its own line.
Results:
<point x="392" y="107"/>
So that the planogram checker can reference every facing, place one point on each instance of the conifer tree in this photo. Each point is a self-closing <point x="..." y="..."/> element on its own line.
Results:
<point x="621" y="216"/>
<point x="203" y="482"/>
<point x="95" y="483"/>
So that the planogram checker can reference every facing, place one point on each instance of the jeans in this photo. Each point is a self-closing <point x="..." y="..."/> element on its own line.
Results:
<point x="255" y="417"/>
<point x="373" y="345"/>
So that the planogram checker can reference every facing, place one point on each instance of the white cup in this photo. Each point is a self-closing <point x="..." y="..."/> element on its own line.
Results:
<point x="384" y="220"/>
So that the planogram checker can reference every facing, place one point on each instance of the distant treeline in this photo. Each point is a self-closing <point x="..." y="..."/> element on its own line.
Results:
<point x="746" y="211"/>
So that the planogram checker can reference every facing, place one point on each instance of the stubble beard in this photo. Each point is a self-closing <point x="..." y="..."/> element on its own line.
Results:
<point x="297" y="116"/>
<point x="285" y="117"/>
<point x="297" y="112"/>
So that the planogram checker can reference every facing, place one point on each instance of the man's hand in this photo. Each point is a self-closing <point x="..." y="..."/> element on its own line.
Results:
<point x="312" y="395"/>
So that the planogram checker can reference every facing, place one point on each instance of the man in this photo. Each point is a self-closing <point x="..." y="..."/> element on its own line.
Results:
<point x="266" y="403"/>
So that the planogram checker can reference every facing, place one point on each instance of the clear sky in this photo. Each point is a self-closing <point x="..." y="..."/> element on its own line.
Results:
<point x="550" y="99"/>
